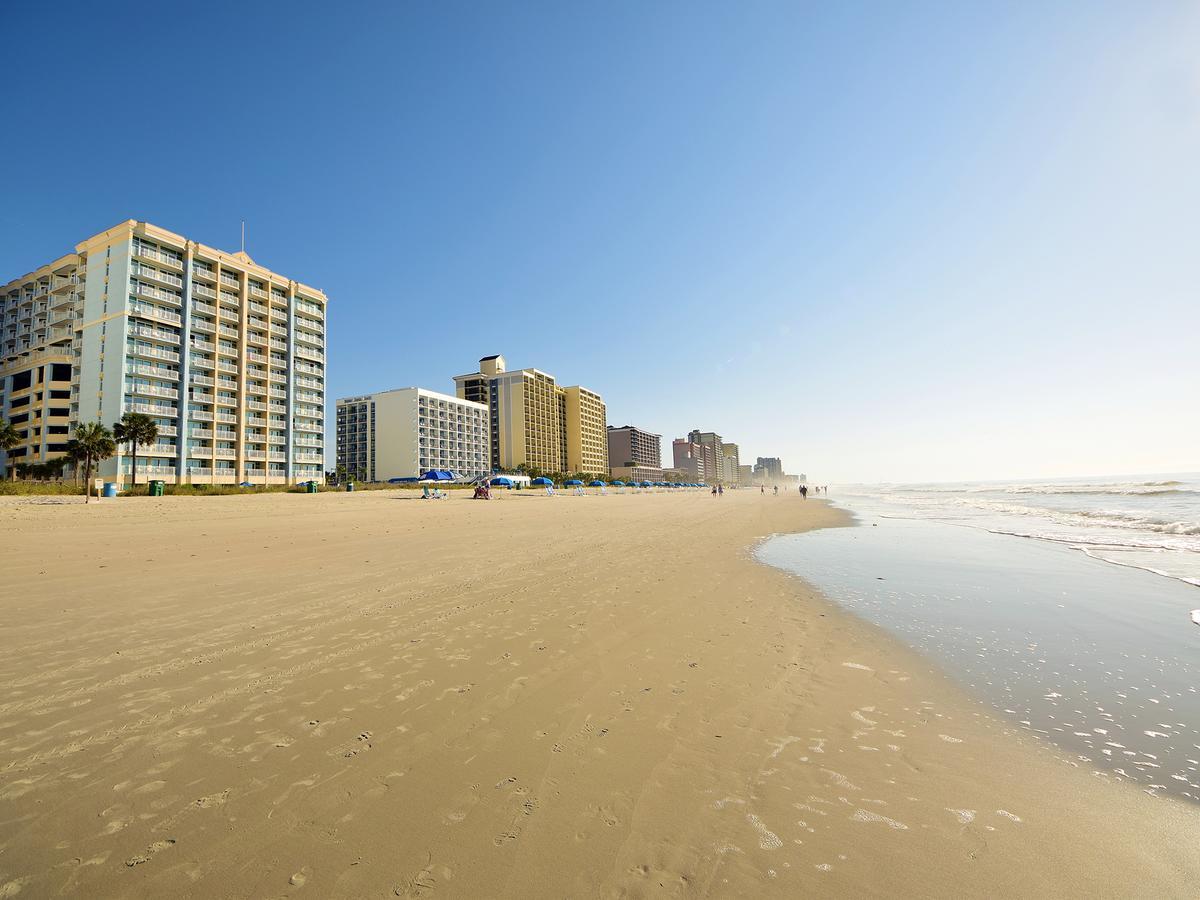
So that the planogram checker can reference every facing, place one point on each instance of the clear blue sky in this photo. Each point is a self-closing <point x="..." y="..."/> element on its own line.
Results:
<point x="882" y="241"/>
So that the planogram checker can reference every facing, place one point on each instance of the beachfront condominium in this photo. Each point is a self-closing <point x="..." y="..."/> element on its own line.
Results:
<point x="729" y="463"/>
<point x="719" y="467"/>
<point x="586" y="426"/>
<point x="228" y="359"/>
<point x="634" y="454"/>
<point x="407" y="432"/>
<point x="535" y="422"/>
<point x="690" y="457"/>
<point x="769" y="469"/>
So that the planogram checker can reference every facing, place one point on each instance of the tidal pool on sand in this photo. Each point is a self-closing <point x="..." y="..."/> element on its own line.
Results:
<point x="1102" y="660"/>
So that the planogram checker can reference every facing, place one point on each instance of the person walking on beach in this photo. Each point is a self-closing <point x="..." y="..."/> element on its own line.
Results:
<point x="720" y="490"/>
<point x="804" y="491"/>
<point x="762" y="488"/>
<point x="776" y="490"/>
<point x="714" y="492"/>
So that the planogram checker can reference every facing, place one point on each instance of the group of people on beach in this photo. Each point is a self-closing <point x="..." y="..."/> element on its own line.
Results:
<point x="803" y="489"/>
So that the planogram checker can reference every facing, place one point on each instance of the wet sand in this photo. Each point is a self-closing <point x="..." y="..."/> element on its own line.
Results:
<point x="368" y="695"/>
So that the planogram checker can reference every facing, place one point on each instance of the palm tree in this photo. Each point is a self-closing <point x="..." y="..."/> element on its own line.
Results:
<point x="9" y="438"/>
<point x="75" y="455"/>
<point x="94" y="443"/>
<point x="136" y="430"/>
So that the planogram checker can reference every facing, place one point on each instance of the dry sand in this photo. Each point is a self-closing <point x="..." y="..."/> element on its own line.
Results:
<point x="368" y="695"/>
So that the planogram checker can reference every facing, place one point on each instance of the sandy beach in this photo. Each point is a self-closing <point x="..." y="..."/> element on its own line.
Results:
<point x="369" y="695"/>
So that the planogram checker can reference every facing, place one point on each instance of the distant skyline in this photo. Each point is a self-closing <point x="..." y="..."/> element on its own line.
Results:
<point x="883" y="242"/>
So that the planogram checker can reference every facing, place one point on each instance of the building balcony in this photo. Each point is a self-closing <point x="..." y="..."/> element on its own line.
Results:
<point x="226" y="434"/>
<point x="201" y="363"/>
<point x="202" y="397"/>
<point x="278" y="344"/>
<point x="147" y="311"/>
<point x="154" y="390"/>
<point x="202" y="380"/>
<point x="205" y="308"/>
<point x="199" y="433"/>
<point x="207" y="276"/>
<point x="145" y="252"/>
<point x="200" y="415"/>
<point x="153" y="293"/>
<point x="170" y="278"/>
<point x="226" y="401"/>
<point x="154" y="409"/>
<point x="226" y="366"/>
<point x="227" y="417"/>
<point x="229" y="331"/>
<point x="152" y="371"/>
<point x="309" y="353"/>
<point x="156" y="334"/>
<point x="258" y="421"/>
<point x="168" y="450"/>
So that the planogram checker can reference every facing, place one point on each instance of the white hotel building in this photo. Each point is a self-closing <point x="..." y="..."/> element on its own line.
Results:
<point x="405" y="433"/>
<point x="226" y="356"/>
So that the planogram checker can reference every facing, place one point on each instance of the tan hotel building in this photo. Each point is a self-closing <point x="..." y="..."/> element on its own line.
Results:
<point x="535" y="422"/>
<point x="226" y="356"/>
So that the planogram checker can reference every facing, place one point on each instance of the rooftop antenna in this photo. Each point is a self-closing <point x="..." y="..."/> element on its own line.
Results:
<point x="243" y="235"/>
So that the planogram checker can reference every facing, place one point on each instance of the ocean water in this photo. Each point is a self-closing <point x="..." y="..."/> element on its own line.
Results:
<point x="1015" y="596"/>
<point x="1150" y="522"/>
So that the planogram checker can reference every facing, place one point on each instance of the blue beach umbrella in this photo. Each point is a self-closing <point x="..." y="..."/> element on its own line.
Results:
<point x="437" y="475"/>
<point x="502" y="482"/>
<point x="542" y="482"/>
<point x="647" y="484"/>
<point x="572" y="481"/>
<point x="597" y="483"/>
<point x="618" y="483"/>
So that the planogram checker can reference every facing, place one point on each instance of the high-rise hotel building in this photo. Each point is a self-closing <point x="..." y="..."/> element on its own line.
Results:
<point x="227" y="357"/>
<point x="406" y="432"/>
<point x="536" y="422"/>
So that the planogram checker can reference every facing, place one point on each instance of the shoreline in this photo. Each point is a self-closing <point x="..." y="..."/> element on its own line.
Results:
<point x="568" y="696"/>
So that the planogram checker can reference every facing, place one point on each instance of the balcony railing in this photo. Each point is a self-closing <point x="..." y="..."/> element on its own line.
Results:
<point x="156" y="333"/>
<point x="154" y="312"/>
<point x="202" y="380"/>
<point x="154" y="390"/>
<point x="147" y="290"/>
<point x="154" y="352"/>
<point x="154" y="409"/>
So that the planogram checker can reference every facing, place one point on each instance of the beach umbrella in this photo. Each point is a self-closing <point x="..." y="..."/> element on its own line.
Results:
<point x="597" y="483"/>
<point x="618" y="483"/>
<point x="542" y="482"/>
<point x="572" y="481"/>
<point x="647" y="484"/>
<point x="437" y="475"/>
<point x="502" y="482"/>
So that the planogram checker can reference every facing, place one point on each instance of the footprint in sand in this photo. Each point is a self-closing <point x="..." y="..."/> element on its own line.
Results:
<point x="156" y="847"/>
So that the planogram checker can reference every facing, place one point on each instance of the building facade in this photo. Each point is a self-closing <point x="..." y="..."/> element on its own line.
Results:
<point x="407" y="432"/>
<point x="631" y="446"/>
<point x="688" y="457"/>
<point x="729" y="463"/>
<point x="745" y="476"/>
<point x="226" y="356"/>
<point x="586" y="431"/>
<point x="769" y="469"/>
<point x="532" y="423"/>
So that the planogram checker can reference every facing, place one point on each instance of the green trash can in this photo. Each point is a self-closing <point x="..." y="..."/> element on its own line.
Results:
<point x="349" y="487"/>
<point x="156" y="488"/>
<point x="311" y="487"/>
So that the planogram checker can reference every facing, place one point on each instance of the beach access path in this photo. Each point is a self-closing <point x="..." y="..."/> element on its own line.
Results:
<point x="370" y="695"/>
